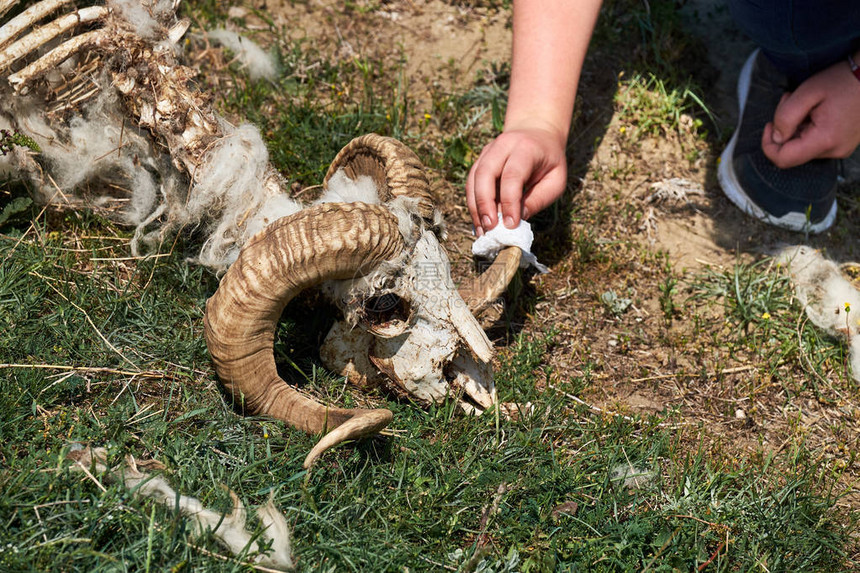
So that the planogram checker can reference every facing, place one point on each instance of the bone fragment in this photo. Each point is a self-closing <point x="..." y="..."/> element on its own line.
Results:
<point x="831" y="302"/>
<point x="55" y="57"/>
<point x="178" y="30"/>
<point x="44" y="34"/>
<point x="472" y="376"/>
<point x="27" y="18"/>
<point x="230" y="529"/>
<point x="469" y="328"/>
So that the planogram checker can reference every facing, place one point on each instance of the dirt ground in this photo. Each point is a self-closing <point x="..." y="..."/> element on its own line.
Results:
<point x="619" y="228"/>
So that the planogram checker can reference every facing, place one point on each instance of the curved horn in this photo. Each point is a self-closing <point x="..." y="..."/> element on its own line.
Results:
<point x="395" y="169"/>
<point x="482" y="290"/>
<point x="324" y="242"/>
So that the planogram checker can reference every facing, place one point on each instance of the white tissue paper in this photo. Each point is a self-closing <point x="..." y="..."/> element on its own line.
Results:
<point x="490" y="243"/>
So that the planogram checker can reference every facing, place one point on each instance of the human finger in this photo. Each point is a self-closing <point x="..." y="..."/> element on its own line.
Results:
<point x="487" y="173"/>
<point x="810" y="143"/>
<point x="470" y="200"/>
<point x="793" y="110"/>
<point x="516" y="173"/>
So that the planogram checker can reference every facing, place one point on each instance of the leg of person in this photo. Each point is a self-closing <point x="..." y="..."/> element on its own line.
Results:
<point x="796" y="39"/>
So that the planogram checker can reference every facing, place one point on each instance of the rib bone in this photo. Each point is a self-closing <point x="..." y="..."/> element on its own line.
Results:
<point x="55" y="57"/>
<point x="27" y="18"/>
<point x="5" y="5"/>
<point x="41" y="36"/>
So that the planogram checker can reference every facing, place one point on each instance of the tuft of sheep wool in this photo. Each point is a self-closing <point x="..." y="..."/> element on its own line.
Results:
<point x="342" y="189"/>
<point x="97" y="161"/>
<point x="230" y="529"/>
<point x="831" y="302"/>
<point x="144" y="14"/>
<point x="630" y="476"/>
<point x="231" y="183"/>
<point x="259" y="64"/>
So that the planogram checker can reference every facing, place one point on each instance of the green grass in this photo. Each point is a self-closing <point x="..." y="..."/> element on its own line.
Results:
<point x="421" y="499"/>
<point x="655" y="110"/>
<point x="105" y="351"/>
<point x="764" y="322"/>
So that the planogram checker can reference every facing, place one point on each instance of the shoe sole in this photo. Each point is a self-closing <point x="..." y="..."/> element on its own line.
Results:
<point x="732" y="188"/>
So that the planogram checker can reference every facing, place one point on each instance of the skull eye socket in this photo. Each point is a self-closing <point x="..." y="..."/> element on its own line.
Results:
<point x="387" y="315"/>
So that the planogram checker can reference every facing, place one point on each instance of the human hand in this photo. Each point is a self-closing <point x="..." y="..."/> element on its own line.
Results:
<point x="820" y="119"/>
<point x="522" y="170"/>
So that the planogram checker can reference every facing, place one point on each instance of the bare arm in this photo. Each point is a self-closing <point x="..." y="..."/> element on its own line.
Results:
<point x="524" y="169"/>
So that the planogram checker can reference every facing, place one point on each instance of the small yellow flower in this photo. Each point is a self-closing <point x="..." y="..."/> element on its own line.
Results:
<point x="766" y="316"/>
<point x="847" y="307"/>
<point x="427" y="116"/>
<point x="622" y="129"/>
<point x="265" y="435"/>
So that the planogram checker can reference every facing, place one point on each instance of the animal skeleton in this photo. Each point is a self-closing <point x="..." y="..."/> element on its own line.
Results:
<point x="372" y="257"/>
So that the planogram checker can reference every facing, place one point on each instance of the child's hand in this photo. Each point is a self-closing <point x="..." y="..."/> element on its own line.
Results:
<point x="522" y="171"/>
<point x="820" y="119"/>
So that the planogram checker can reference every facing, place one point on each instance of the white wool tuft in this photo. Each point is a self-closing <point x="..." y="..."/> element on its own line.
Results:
<point x="143" y="15"/>
<point x="342" y="189"/>
<point x="6" y="166"/>
<point x="409" y="221"/>
<point x="231" y="182"/>
<point x="97" y="147"/>
<point x="252" y="57"/>
<point x="276" y="207"/>
<point x="824" y="294"/>
<point x="143" y="198"/>
<point x="100" y="159"/>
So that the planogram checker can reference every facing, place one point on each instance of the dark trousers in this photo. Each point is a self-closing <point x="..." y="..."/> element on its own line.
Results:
<point x="800" y="37"/>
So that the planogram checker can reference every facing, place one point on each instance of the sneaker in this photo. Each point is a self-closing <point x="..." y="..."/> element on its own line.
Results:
<point x="801" y="198"/>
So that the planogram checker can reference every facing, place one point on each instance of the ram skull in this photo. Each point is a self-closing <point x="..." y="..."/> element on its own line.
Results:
<point x="414" y="335"/>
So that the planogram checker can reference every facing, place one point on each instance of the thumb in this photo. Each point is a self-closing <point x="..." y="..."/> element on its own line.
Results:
<point x="793" y="110"/>
<point x="809" y="144"/>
